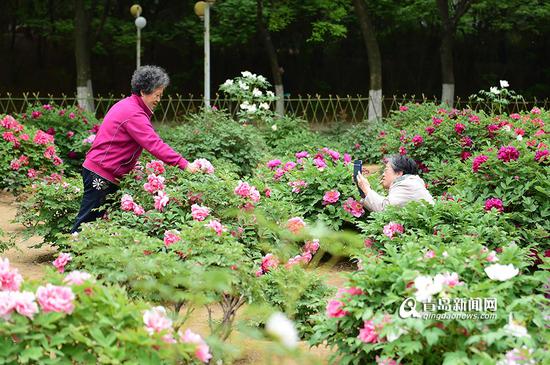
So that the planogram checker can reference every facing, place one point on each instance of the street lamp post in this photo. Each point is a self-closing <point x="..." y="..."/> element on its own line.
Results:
<point x="202" y="9"/>
<point x="140" y="24"/>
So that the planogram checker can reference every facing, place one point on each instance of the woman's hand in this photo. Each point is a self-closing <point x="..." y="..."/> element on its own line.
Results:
<point x="363" y="184"/>
<point x="192" y="168"/>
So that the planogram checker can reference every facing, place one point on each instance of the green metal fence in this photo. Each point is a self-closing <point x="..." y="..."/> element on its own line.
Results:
<point x="314" y="108"/>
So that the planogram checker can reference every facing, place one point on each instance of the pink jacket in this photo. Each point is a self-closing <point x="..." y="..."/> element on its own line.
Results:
<point x="126" y="130"/>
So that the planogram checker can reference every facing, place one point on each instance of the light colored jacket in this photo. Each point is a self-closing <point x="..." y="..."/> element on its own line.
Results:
<point x="404" y="189"/>
<point x="127" y="130"/>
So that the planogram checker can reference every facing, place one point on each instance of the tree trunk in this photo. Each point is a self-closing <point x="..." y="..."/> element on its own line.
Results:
<point x="446" y="54"/>
<point x="276" y="70"/>
<point x="374" y="58"/>
<point x="84" y="91"/>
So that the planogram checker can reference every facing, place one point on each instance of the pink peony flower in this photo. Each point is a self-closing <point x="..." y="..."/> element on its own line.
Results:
<point x="492" y="257"/>
<point x="334" y="155"/>
<point x="57" y="161"/>
<point x="295" y="224"/>
<point x="278" y="174"/>
<point x="430" y="130"/>
<point x="515" y="116"/>
<point x="302" y="154"/>
<point x="478" y="161"/>
<point x="156" y="167"/>
<point x="71" y="115"/>
<point x="55" y="298"/>
<point x="10" y="279"/>
<point x="466" y="142"/>
<point x="267" y="192"/>
<point x="417" y="140"/>
<point x="402" y="151"/>
<point x="368" y="333"/>
<point x="216" y="226"/>
<point x="330" y="197"/>
<point x="465" y="155"/>
<point x="138" y="210"/>
<point x="242" y="189"/>
<point x="161" y="200"/>
<point x="24" y="137"/>
<point x="15" y="165"/>
<point x="449" y="279"/>
<point x="199" y="213"/>
<point x="269" y="262"/>
<point x="156" y="320"/>
<point x="42" y="138"/>
<point x="320" y="163"/>
<point x="311" y="246"/>
<point x="36" y="114"/>
<point x="539" y="132"/>
<point x="347" y="158"/>
<point x="273" y="164"/>
<point x="473" y="118"/>
<point x="7" y="304"/>
<point x="392" y="228"/>
<point x="535" y="110"/>
<point x="508" y="153"/>
<point x="353" y="207"/>
<point x="460" y="128"/>
<point x="154" y="183"/>
<point x="429" y="255"/>
<point x="297" y="185"/>
<point x="436" y="121"/>
<point x="204" y="166"/>
<point x="289" y="166"/>
<point x="541" y="155"/>
<point x="171" y="237"/>
<point x="203" y="351"/>
<point x="62" y="260"/>
<point x="494" y="203"/>
<point x="335" y="309"/>
<point x="403" y="108"/>
<point x="127" y="203"/>
<point x="24" y="303"/>
<point x="89" y="140"/>
<point x="77" y="278"/>
<point x="70" y="134"/>
<point x="32" y="173"/>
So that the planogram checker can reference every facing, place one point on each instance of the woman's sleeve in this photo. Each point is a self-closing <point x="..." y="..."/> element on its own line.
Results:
<point x="375" y="202"/>
<point x="141" y="130"/>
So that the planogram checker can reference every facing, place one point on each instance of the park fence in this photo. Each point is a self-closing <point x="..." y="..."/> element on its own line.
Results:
<point x="316" y="109"/>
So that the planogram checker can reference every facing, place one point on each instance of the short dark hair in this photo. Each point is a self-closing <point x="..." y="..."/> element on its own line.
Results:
<point x="148" y="79"/>
<point x="400" y="163"/>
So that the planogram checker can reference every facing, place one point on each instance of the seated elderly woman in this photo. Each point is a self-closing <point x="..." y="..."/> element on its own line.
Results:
<point x="401" y="180"/>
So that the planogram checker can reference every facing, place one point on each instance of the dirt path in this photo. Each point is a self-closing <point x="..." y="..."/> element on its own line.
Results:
<point x="30" y="261"/>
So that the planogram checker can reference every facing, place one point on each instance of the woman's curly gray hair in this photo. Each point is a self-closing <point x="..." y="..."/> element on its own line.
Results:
<point x="149" y="78"/>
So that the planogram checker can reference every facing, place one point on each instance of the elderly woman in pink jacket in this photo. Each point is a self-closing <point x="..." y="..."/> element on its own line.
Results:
<point x="125" y="132"/>
<point x="401" y="180"/>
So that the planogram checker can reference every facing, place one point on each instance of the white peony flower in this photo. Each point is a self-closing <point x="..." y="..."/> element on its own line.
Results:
<point x="270" y="94"/>
<point x="256" y="92"/>
<point x="228" y="82"/>
<point x="426" y="286"/>
<point x="243" y="85"/>
<point x="261" y="78"/>
<point x="504" y="83"/>
<point x="507" y="128"/>
<point x="274" y="127"/>
<point x="501" y="272"/>
<point x="252" y="109"/>
<point x="519" y="137"/>
<point x="246" y="74"/>
<point x="494" y="90"/>
<point x="245" y="105"/>
<point x="445" y="254"/>
<point x="264" y="106"/>
<point x="283" y="329"/>
<point x="515" y="329"/>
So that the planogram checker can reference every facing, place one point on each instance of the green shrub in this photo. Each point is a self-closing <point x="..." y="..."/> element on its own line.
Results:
<point x="215" y="136"/>
<point x="366" y="328"/>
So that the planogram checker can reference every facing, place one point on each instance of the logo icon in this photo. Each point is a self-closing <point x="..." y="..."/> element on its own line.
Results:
<point x="408" y="309"/>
